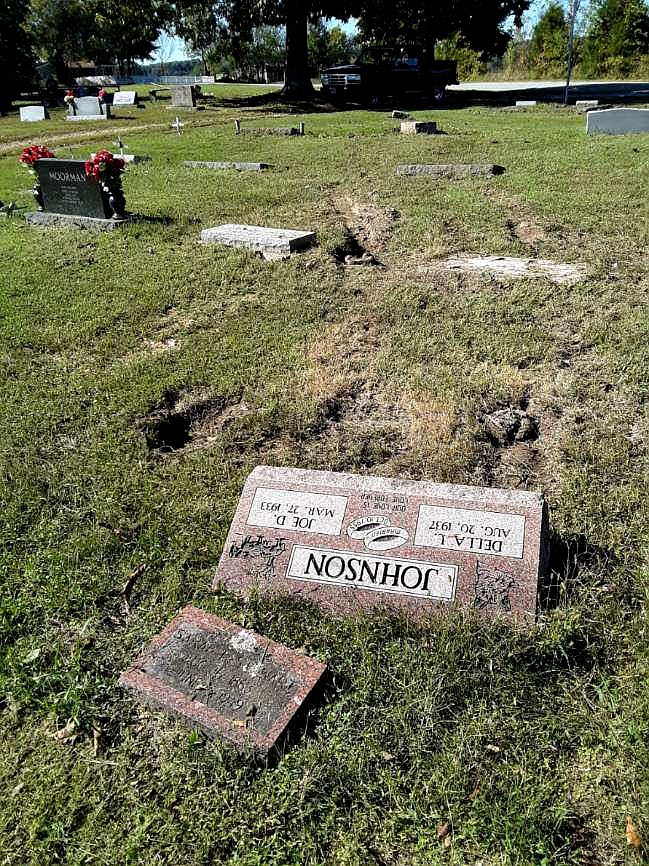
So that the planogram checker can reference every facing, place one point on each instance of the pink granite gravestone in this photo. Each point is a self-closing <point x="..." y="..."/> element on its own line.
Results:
<point x="225" y="680"/>
<point x="350" y="542"/>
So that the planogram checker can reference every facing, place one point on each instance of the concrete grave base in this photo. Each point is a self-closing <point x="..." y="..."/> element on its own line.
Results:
<point x="222" y="679"/>
<point x="46" y="219"/>
<point x="452" y="171"/>
<point x="508" y="267"/>
<point x="237" y="166"/>
<point x="418" y="127"/>
<point x="618" y="121"/>
<point x="87" y="117"/>
<point x="271" y="243"/>
<point x="525" y="103"/>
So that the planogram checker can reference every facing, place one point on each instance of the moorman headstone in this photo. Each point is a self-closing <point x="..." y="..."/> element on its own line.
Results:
<point x="69" y="197"/>
<point x="225" y="680"/>
<point x="349" y="542"/>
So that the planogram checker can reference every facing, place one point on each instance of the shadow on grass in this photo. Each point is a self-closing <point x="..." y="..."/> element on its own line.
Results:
<point x="569" y="557"/>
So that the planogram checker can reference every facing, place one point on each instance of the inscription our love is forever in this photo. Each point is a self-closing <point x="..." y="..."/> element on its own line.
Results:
<point x="346" y="541"/>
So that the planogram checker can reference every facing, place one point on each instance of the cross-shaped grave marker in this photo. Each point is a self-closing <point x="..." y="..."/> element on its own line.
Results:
<point x="178" y="125"/>
<point x="120" y="144"/>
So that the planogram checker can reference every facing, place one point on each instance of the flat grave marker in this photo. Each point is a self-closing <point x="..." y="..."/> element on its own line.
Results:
<point x="617" y="121"/>
<point x="33" y="113"/>
<point x="525" y="103"/>
<point x="350" y="542"/>
<point x="271" y="243"/>
<point x="587" y="103"/>
<point x="450" y="171"/>
<point x="237" y="166"/>
<point x="223" y="679"/>
<point x="125" y="97"/>
<point x="88" y="108"/>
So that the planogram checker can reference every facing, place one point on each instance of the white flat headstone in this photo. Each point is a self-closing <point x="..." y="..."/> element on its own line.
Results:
<point x="525" y="103"/>
<point x="32" y="113"/>
<point x="587" y="103"/>
<point x="271" y="243"/>
<point x="125" y="97"/>
<point x="618" y="121"/>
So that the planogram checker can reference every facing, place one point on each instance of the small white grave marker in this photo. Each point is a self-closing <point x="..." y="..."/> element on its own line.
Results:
<point x="271" y="243"/>
<point x="178" y="125"/>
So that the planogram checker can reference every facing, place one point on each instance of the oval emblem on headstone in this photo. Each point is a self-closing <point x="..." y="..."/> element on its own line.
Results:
<point x="385" y="538"/>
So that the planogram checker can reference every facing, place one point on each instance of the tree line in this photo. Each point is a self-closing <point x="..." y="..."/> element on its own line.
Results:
<point x="247" y="37"/>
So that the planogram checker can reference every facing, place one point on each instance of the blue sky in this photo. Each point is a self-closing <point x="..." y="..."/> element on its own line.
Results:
<point x="171" y="48"/>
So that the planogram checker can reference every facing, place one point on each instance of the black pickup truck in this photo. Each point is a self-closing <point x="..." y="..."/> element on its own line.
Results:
<point x="382" y="75"/>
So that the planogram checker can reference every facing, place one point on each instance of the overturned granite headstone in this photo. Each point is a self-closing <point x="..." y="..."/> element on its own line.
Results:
<point x="271" y="243"/>
<point x="350" y="542"/>
<point x="224" y="680"/>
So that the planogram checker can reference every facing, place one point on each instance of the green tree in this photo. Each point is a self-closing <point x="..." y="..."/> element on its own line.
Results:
<point x="549" y="42"/>
<point x="62" y="31"/>
<point x="16" y="55"/>
<point x="617" y="38"/>
<point x="328" y="46"/>
<point x="423" y="24"/>
<point x="125" y="30"/>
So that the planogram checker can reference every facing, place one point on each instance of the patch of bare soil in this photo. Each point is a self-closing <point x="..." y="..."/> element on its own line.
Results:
<point x="527" y="231"/>
<point x="341" y="354"/>
<point x="522" y="224"/>
<point x="367" y="230"/>
<point x="188" y="420"/>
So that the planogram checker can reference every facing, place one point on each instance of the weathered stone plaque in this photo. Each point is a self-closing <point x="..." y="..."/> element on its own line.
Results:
<point x="33" y="113"/>
<point x="183" y="96"/>
<point x="125" y="97"/>
<point x="67" y="190"/>
<point x="617" y="121"/>
<point x="349" y="542"/>
<point x="225" y="680"/>
<point x="450" y="171"/>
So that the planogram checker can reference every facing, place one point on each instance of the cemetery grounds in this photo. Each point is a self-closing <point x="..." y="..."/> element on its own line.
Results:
<point x="450" y="741"/>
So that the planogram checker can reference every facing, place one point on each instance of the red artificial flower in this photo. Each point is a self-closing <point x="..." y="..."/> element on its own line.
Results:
<point x="104" y="164"/>
<point x="36" y="151"/>
<point x="101" y="94"/>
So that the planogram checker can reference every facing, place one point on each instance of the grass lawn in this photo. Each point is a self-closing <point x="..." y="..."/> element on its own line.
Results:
<point x="532" y="745"/>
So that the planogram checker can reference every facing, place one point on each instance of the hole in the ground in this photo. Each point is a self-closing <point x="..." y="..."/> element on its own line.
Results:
<point x="352" y="252"/>
<point x="172" y="424"/>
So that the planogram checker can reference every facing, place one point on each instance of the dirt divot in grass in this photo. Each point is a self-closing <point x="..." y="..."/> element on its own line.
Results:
<point x="188" y="420"/>
<point x="367" y="230"/>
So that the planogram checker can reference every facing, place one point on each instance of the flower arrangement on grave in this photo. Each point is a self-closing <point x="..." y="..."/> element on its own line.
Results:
<point x="69" y="97"/>
<point x="28" y="157"/>
<point x="106" y="170"/>
<point x="101" y="96"/>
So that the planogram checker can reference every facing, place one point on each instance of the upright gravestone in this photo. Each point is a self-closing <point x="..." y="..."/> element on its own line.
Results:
<point x="225" y="680"/>
<point x="350" y="542"/>
<point x="183" y="96"/>
<point x="71" y="198"/>
<point x="125" y="97"/>
<point x="617" y="121"/>
<point x="33" y="113"/>
<point x="88" y="108"/>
